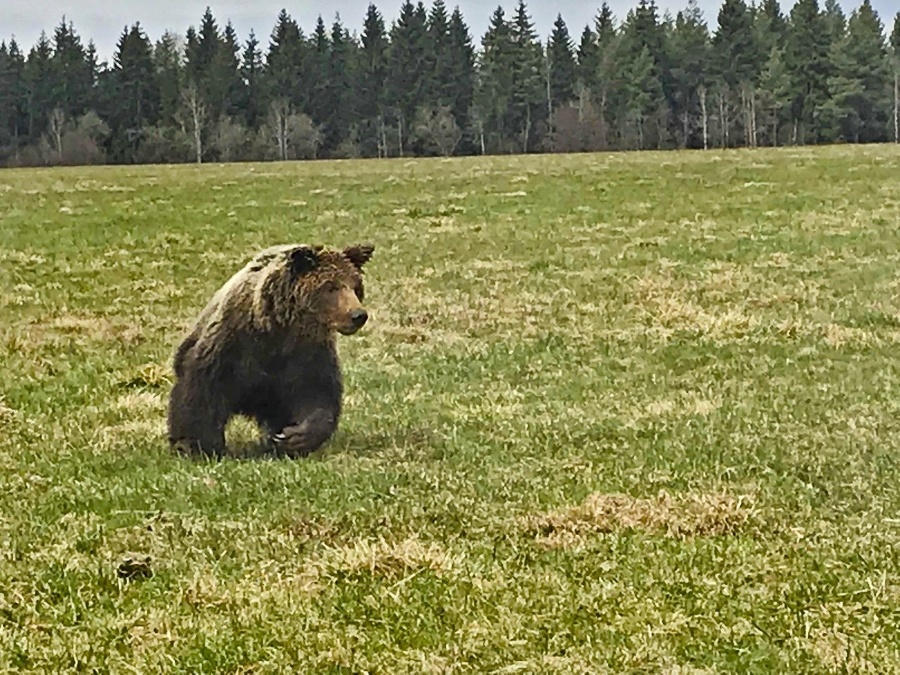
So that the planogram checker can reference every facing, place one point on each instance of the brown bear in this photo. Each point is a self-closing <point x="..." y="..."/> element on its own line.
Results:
<point x="264" y="347"/>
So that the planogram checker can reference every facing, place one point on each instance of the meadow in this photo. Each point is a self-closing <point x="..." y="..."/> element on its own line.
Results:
<point x="612" y="413"/>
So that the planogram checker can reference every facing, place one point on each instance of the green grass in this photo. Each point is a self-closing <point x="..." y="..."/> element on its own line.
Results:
<point x="612" y="413"/>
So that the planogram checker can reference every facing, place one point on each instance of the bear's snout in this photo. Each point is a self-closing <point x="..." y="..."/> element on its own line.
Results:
<point x="358" y="318"/>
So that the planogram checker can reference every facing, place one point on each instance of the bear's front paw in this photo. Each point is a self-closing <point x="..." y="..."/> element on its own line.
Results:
<point x="299" y="440"/>
<point x="293" y="444"/>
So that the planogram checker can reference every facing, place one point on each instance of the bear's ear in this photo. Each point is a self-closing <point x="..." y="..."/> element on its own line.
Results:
<point x="359" y="255"/>
<point x="304" y="259"/>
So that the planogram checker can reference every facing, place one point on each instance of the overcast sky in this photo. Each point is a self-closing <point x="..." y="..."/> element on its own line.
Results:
<point x="104" y="20"/>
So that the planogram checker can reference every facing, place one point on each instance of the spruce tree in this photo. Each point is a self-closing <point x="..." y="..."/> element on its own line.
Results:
<point x="738" y="59"/>
<point x="439" y="83"/>
<point x="136" y="100"/>
<point x="895" y="60"/>
<point x="38" y="87"/>
<point x="806" y="59"/>
<point x="12" y="66"/>
<point x="371" y="84"/>
<point x="284" y="76"/>
<point x="528" y="90"/>
<point x="770" y="26"/>
<point x="860" y="104"/>
<point x="775" y="94"/>
<point x="494" y="91"/>
<point x="407" y="74"/>
<point x="643" y="94"/>
<point x="690" y="50"/>
<point x="462" y="67"/>
<point x="587" y="62"/>
<point x="608" y="81"/>
<point x="338" y="93"/>
<point x="251" y="101"/>
<point x="642" y="51"/>
<point x="561" y="55"/>
<point x="72" y="77"/>
<point x="315" y="74"/>
<point x="168" y="67"/>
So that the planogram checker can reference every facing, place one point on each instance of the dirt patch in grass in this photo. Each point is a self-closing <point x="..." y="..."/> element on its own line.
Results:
<point x="681" y="517"/>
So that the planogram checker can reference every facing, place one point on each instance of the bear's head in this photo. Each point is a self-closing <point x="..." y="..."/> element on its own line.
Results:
<point x="328" y="285"/>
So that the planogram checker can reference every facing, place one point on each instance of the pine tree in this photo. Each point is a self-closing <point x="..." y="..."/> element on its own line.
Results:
<point x="136" y="100"/>
<point x="895" y="59"/>
<point x="316" y="74"/>
<point x="644" y="93"/>
<point x="208" y="43"/>
<point x="587" y="62"/>
<point x="38" y="87"/>
<point x="775" y="92"/>
<point x="690" y="50"/>
<point x="834" y="21"/>
<point x="439" y="84"/>
<point x="72" y="74"/>
<point x="371" y="86"/>
<point x="227" y="72"/>
<point x="528" y="90"/>
<point x="494" y="90"/>
<point x="608" y="82"/>
<point x="560" y="51"/>
<point x="12" y="66"/>
<point x="770" y="26"/>
<point x="339" y="94"/>
<point x="251" y="103"/>
<point x="860" y="100"/>
<point x="167" y="61"/>
<point x="284" y="76"/>
<point x="806" y="59"/>
<point x="407" y="74"/>
<point x="738" y="57"/>
<point x="643" y="38"/>
<point x="462" y="60"/>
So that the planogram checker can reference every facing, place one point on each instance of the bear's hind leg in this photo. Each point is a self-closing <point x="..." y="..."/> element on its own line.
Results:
<point x="307" y="435"/>
<point x="197" y="418"/>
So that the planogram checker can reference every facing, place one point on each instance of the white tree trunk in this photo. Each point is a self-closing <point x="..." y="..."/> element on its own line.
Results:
<point x="57" y="120"/>
<point x="527" y="129"/>
<point x="897" y="104"/>
<point x="753" y="131"/>
<point x="723" y="119"/>
<point x="197" y="114"/>
<point x="702" y="93"/>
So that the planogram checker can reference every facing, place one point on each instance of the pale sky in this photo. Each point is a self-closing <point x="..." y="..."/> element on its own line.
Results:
<point x="104" y="20"/>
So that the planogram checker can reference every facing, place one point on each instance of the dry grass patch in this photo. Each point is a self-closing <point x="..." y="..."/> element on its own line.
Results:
<point x="837" y="653"/>
<point x="140" y="402"/>
<point x="388" y="559"/>
<point x="680" y="517"/>
<point x="84" y="328"/>
<point x="680" y="404"/>
<point x="414" y="313"/>
<point x="668" y="304"/>
<point x="264" y="585"/>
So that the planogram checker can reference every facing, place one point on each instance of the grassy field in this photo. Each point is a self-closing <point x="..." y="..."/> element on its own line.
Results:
<point x="611" y="413"/>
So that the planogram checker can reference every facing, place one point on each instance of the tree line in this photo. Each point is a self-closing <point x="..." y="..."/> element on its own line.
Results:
<point x="420" y="86"/>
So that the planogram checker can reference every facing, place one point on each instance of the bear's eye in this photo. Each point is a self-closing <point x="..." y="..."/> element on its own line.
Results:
<point x="359" y="291"/>
<point x="331" y="287"/>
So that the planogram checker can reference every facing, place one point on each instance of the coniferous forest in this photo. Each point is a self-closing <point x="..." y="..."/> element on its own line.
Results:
<point x="421" y="84"/>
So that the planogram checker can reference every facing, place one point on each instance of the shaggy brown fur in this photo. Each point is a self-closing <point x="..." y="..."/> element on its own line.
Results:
<point x="265" y="347"/>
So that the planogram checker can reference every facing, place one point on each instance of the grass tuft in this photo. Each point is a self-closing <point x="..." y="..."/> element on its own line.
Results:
<point x="681" y="517"/>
